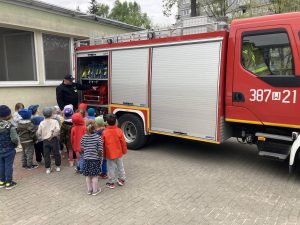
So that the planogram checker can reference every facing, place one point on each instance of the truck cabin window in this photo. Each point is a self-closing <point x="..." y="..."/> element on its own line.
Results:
<point x="267" y="53"/>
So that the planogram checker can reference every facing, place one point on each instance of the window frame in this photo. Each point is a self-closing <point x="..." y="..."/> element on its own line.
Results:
<point x="262" y="32"/>
<point x="28" y="83"/>
<point x="71" y="52"/>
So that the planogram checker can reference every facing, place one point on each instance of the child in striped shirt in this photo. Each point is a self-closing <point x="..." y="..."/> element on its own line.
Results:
<point x="91" y="145"/>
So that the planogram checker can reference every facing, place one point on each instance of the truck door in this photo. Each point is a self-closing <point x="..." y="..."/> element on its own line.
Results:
<point x="266" y="84"/>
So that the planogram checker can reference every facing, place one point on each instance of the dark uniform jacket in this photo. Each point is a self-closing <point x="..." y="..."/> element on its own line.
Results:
<point x="68" y="94"/>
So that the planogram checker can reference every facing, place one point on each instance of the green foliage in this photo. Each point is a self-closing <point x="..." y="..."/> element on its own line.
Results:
<point x="217" y="8"/>
<point x="93" y="8"/>
<point x="283" y="6"/>
<point x="103" y="10"/>
<point x="168" y="5"/>
<point x="130" y="13"/>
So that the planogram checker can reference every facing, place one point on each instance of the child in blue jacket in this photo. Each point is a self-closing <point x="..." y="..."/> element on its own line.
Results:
<point x="8" y="142"/>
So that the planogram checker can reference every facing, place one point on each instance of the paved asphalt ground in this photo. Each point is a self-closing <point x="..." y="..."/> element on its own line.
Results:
<point x="171" y="181"/>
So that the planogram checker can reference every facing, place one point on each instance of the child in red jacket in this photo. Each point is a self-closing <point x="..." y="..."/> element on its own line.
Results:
<point x="77" y="132"/>
<point x="114" y="148"/>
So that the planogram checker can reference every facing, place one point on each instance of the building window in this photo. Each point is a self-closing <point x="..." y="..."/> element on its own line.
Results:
<point x="17" y="55"/>
<point x="57" y="53"/>
<point x="267" y="53"/>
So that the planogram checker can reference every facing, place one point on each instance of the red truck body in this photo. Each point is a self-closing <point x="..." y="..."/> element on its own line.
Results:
<point x="281" y="113"/>
<point x="258" y="84"/>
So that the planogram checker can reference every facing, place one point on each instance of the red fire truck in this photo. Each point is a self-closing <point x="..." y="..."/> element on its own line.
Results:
<point x="211" y="86"/>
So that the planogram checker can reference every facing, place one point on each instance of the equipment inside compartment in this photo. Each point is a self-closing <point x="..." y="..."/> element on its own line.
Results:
<point x="94" y="71"/>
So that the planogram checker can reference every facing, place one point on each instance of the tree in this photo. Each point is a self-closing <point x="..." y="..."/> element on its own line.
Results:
<point x="193" y="8"/>
<point x="169" y="4"/>
<point x="78" y="9"/>
<point x="103" y="10"/>
<point x="282" y="6"/>
<point x="130" y="13"/>
<point x="218" y="8"/>
<point x="93" y="8"/>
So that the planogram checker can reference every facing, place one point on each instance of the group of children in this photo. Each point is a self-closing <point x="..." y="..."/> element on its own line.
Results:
<point x="96" y="146"/>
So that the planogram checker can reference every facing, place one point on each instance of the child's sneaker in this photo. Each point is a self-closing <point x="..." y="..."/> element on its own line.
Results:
<point x="2" y="184"/>
<point x="90" y="192"/>
<point x="10" y="185"/>
<point x="57" y="169"/>
<point x="32" y="167"/>
<point x="48" y="170"/>
<point x="103" y="176"/>
<point x="121" y="182"/>
<point x="110" y="185"/>
<point x="97" y="192"/>
<point x="77" y="169"/>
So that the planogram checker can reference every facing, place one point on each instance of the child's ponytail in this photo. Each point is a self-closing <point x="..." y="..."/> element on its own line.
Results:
<point x="90" y="127"/>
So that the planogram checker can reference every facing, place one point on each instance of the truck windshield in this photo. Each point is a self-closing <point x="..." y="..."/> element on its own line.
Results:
<point x="267" y="53"/>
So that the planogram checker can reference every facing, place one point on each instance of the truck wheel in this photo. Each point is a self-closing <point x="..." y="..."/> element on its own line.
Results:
<point x="133" y="129"/>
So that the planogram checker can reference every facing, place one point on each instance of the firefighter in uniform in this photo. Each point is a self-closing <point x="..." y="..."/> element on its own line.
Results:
<point x="253" y="60"/>
<point x="67" y="92"/>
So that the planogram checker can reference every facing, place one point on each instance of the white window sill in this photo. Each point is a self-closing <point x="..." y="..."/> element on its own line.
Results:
<point x="19" y="83"/>
<point x="29" y="84"/>
<point x="52" y="82"/>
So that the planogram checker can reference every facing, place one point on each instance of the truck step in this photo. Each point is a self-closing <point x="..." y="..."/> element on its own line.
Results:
<point x="274" y="136"/>
<point x="273" y="155"/>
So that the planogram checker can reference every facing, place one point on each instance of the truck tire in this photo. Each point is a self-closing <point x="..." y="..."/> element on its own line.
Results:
<point x="133" y="129"/>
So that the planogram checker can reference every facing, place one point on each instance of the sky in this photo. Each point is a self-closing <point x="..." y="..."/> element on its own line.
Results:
<point x="152" y="7"/>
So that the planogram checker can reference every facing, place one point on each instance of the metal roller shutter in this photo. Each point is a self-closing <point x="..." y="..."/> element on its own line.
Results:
<point x="129" y="77"/>
<point x="185" y="86"/>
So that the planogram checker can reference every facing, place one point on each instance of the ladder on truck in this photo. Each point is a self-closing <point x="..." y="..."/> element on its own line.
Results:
<point x="185" y="27"/>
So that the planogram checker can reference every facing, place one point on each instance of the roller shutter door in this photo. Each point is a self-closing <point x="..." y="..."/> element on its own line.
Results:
<point x="185" y="89"/>
<point x="129" y="77"/>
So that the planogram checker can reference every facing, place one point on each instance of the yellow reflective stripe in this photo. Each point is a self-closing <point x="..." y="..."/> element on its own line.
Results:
<point x="261" y="69"/>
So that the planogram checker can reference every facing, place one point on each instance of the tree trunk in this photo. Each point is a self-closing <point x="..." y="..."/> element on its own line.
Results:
<point x="193" y="8"/>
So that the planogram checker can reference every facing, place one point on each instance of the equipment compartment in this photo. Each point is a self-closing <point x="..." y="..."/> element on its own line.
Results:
<point x="93" y="70"/>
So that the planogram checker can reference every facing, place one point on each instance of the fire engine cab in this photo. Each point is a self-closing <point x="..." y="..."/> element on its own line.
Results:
<point x="206" y="86"/>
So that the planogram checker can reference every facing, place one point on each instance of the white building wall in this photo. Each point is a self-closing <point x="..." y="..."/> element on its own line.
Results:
<point x="16" y="16"/>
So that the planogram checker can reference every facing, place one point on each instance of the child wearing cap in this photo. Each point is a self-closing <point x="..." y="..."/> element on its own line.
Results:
<point x="65" y="132"/>
<point x="49" y="131"/>
<point x="100" y="127"/>
<point x="114" y="148"/>
<point x="27" y="133"/>
<point x="8" y="142"/>
<point x="36" y="119"/>
<point x="91" y="114"/>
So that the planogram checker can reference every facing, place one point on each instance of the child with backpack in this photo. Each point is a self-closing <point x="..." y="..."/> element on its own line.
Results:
<point x="36" y="119"/>
<point x="92" y="148"/>
<point x="8" y="142"/>
<point x="65" y="132"/>
<point x="27" y="133"/>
